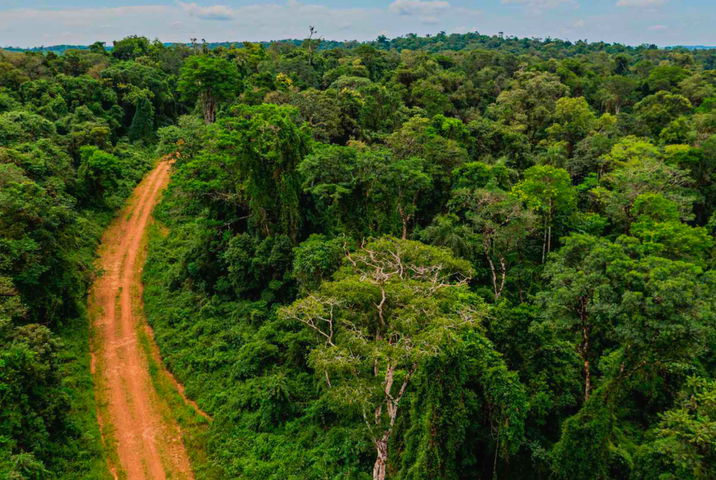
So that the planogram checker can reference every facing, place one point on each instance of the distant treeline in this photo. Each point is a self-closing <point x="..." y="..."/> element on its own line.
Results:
<point x="433" y="43"/>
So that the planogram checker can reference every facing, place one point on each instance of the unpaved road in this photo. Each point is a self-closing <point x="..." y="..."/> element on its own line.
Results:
<point x="144" y="439"/>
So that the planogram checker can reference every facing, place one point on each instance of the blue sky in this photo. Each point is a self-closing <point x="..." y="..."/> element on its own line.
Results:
<point x="45" y="22"/>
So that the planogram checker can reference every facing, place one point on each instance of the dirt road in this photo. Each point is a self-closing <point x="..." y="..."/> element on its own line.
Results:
<point x="144" y="438"/>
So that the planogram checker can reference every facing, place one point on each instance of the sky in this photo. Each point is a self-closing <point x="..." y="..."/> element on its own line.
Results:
<point x="30" y="23"/>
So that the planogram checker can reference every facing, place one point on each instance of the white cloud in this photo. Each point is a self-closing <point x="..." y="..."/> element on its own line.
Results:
<point x="213" y="12"/>
<point x="418" y="7"/>
<point x="429" y="12"/>
<point x="539" y="5"/>
<point x="640" y="3"/>
<point x="658" y="28"/>
<point x="68" y="22"/>
<point x="579" y="23"/>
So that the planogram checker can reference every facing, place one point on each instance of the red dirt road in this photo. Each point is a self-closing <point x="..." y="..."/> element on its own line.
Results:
<point x="145" y="441"/>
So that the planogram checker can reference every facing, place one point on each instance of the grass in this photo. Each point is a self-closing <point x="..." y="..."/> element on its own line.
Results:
<point x="174" y="407"/>
<point x="88" y="461"/>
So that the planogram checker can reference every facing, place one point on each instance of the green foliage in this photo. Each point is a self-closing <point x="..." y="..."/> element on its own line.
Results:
<point x="370" y="190"/>
<point x="264" y="145"/>
<point x="316" y="260"/>
<point x="187" y="138"/>
<point x="547" y="191"/>
<point x="666" y="77"/>
<point x="620" y="189"/>
<point x="574" y="120"/>
<point x="439" y="433"/>
<point x="20" y="126"/>
<point x="531" y="102"/>
<point x="98" y="173"/>
<point x="682" y="443"/>
<point x="208" y="80"/>
<point x="658" y="110"/>
<point x="130" y="48"/>
<point x="142" y="126"/>
<point x="33" y="403"/>
<point x="584" y="451"/>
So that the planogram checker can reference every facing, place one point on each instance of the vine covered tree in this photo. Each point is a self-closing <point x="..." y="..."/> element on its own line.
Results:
<point x="209" y="81"/>
<point x="392" y="306"/>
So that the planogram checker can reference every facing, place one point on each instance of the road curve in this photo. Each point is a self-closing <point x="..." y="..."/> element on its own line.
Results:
<point x="145" y="441"/>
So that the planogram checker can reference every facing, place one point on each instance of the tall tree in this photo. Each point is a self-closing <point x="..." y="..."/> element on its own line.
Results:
<point x="548" y="191"/>
<point x="394" y="305"/>
<point x="580" y="296"/>
<point x="262" y="146"/>
<point x="502" y="224"/>
<point x="209" y="81"/>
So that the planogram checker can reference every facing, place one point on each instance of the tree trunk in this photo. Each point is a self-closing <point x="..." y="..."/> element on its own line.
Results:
<point x="587" y="367"/>
<point x="585" y="346"/>
<point x="404" y="218"/>
<point x="497" y="286"/>
<point x="544" y="241"/>
<point x="391" y="406"/>
<point x="208" y="106"/>
<point x="547" y="240"/>
<point x="549" y="226"/>
<point x="587" y="380"/>
<point x="493" y="271"/>
<point x="381" y="459"/>
<point x="503" y="277"/>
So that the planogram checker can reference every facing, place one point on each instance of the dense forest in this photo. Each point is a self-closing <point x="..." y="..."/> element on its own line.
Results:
<point x="446" y="257"/>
